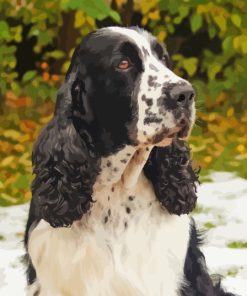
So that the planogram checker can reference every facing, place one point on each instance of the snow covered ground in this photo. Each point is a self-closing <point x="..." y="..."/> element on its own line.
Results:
<point x="221" y="209"/>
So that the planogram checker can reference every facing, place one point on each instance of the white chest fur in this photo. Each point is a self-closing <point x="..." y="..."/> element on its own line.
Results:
<point x="127" y="245"/>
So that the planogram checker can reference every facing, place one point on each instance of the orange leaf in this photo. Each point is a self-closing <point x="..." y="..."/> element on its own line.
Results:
<point x="44" y="65"/>
<point x="7" y="161"/>
<point x="208" y="159"/>
<point x="55" y="77"/>
<point x="19" y="102"/>
<point x="19" y="148"/>
<point x="46" y="76"/>
<point x="24" y="138"/>
<point x="240" y="148"/>
<point x="44" y="120"/>
<point x="12" y="134"/>
<point x="27" y="125"/>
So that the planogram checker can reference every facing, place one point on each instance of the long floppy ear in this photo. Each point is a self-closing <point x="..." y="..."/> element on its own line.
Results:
<point x="173" y="178"/>
<point x="64" y="160"/>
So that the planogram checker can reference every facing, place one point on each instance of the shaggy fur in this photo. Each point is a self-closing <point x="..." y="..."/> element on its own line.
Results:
<point x="104" y="195"/>
<point x="174" y="180"/>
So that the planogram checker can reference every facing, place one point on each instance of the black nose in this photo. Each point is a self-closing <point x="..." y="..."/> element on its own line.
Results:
<point x="184" y="94"/>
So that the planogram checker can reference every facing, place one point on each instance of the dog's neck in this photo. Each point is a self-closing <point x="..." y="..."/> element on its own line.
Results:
<point x="125" y="166"/>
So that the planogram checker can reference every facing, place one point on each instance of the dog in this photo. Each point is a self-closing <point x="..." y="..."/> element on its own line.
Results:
<point x="114" y="183"/>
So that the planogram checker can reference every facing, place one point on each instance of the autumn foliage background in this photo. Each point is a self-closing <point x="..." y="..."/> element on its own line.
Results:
<point x="207" y="41"/>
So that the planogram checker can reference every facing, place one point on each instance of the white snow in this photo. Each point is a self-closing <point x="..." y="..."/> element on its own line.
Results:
<point x="223" y="203"/>
<point x="12" y="272"/>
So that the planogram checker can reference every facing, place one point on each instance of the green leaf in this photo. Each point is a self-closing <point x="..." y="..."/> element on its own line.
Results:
<point x="29" y="75"/>
<point x="195" y="22"/>
<point x="173" y="6"/>
<point x="213" y="70"/>
<point x="3" y="86"/>
<point x="79" y="19"/>
<point x="163" y="5"/>
<point x="236" y="20"/>
<point x="44" y="38"/>
<point x="115" y="16"/>
<point x="177" y="20"/>
<point x="16" y="88"/>
<point x="96" y="9"/>
<point x="22" y="182"/>
<point x="244" y="46"/>
<point x="190" y="65"/>
<point x="228" y="43"/>
<point x="4" y="30"/>
<point x="183" y="10"/>
<point x="57" y="54"/>
<point x="221" y="22"/>
<point x="212" y="32"/>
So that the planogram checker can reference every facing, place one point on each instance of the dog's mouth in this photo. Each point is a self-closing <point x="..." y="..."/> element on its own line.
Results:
<point x="184" y="129"/>
<point x="181" y="131"/>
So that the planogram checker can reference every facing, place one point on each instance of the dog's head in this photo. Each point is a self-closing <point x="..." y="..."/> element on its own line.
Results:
<point x="118" y="91"/>
<point x="126" y="89"/>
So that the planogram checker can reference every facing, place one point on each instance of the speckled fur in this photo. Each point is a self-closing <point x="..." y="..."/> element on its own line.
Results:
<point x="114" y="256"/>
<point x="97" y="225"/>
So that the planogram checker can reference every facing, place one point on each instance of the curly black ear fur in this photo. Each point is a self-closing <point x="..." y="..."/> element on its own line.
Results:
<point x="64" y="160"/>
<point x="170" y="170"/>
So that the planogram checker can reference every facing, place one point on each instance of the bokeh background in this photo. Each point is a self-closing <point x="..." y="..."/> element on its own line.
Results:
<point x="207" y="41"/>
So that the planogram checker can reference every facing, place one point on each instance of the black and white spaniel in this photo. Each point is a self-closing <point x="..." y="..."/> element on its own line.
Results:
<point x="114" y="181"/>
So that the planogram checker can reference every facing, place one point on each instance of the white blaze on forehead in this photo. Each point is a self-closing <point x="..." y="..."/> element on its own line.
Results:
<point x="135" y="36"/>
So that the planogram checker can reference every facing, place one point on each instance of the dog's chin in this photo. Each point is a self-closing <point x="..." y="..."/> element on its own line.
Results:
<point x="164" y="138"/>
<point x="184" y="132"/>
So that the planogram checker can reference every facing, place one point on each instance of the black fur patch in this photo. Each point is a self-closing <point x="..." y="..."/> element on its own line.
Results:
<point x="196" y="276"/>
<point x="152" y="80"/>
<point x="152" y="119"/>
<point x="149" y="102"/>
<point x="145" y="52"/>
<point x="128" y="210"/>
<point x="170" y="171"/>
<point x="160" y="136"/>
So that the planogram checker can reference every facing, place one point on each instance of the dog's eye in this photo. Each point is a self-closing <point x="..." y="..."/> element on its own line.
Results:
<point x="164" y="59"/>
<point x="124" y="64"/>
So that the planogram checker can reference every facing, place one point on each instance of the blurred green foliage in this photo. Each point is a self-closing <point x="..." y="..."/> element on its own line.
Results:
<point x="207" y="42"/>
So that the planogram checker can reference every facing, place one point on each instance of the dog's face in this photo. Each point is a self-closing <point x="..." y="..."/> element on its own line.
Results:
<point x="119" y="96"/>
<point x="129" y="92"/>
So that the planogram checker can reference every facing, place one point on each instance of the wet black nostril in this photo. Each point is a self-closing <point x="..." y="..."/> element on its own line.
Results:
<point x="179" y="95"/>
<point x="185" y="98"/>
<point x="181" y="98"/>
<point x="192" y="96"/>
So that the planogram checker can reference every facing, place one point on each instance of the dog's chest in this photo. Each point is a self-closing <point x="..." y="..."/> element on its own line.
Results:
<point x="127" y="245"/>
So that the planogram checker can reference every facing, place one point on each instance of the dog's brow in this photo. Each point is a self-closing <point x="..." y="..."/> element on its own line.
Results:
<point x="145" y="52"/>
<point x="136" y="37"/>
<point x="157" y="48"/>
<point x="132" y="51"/>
